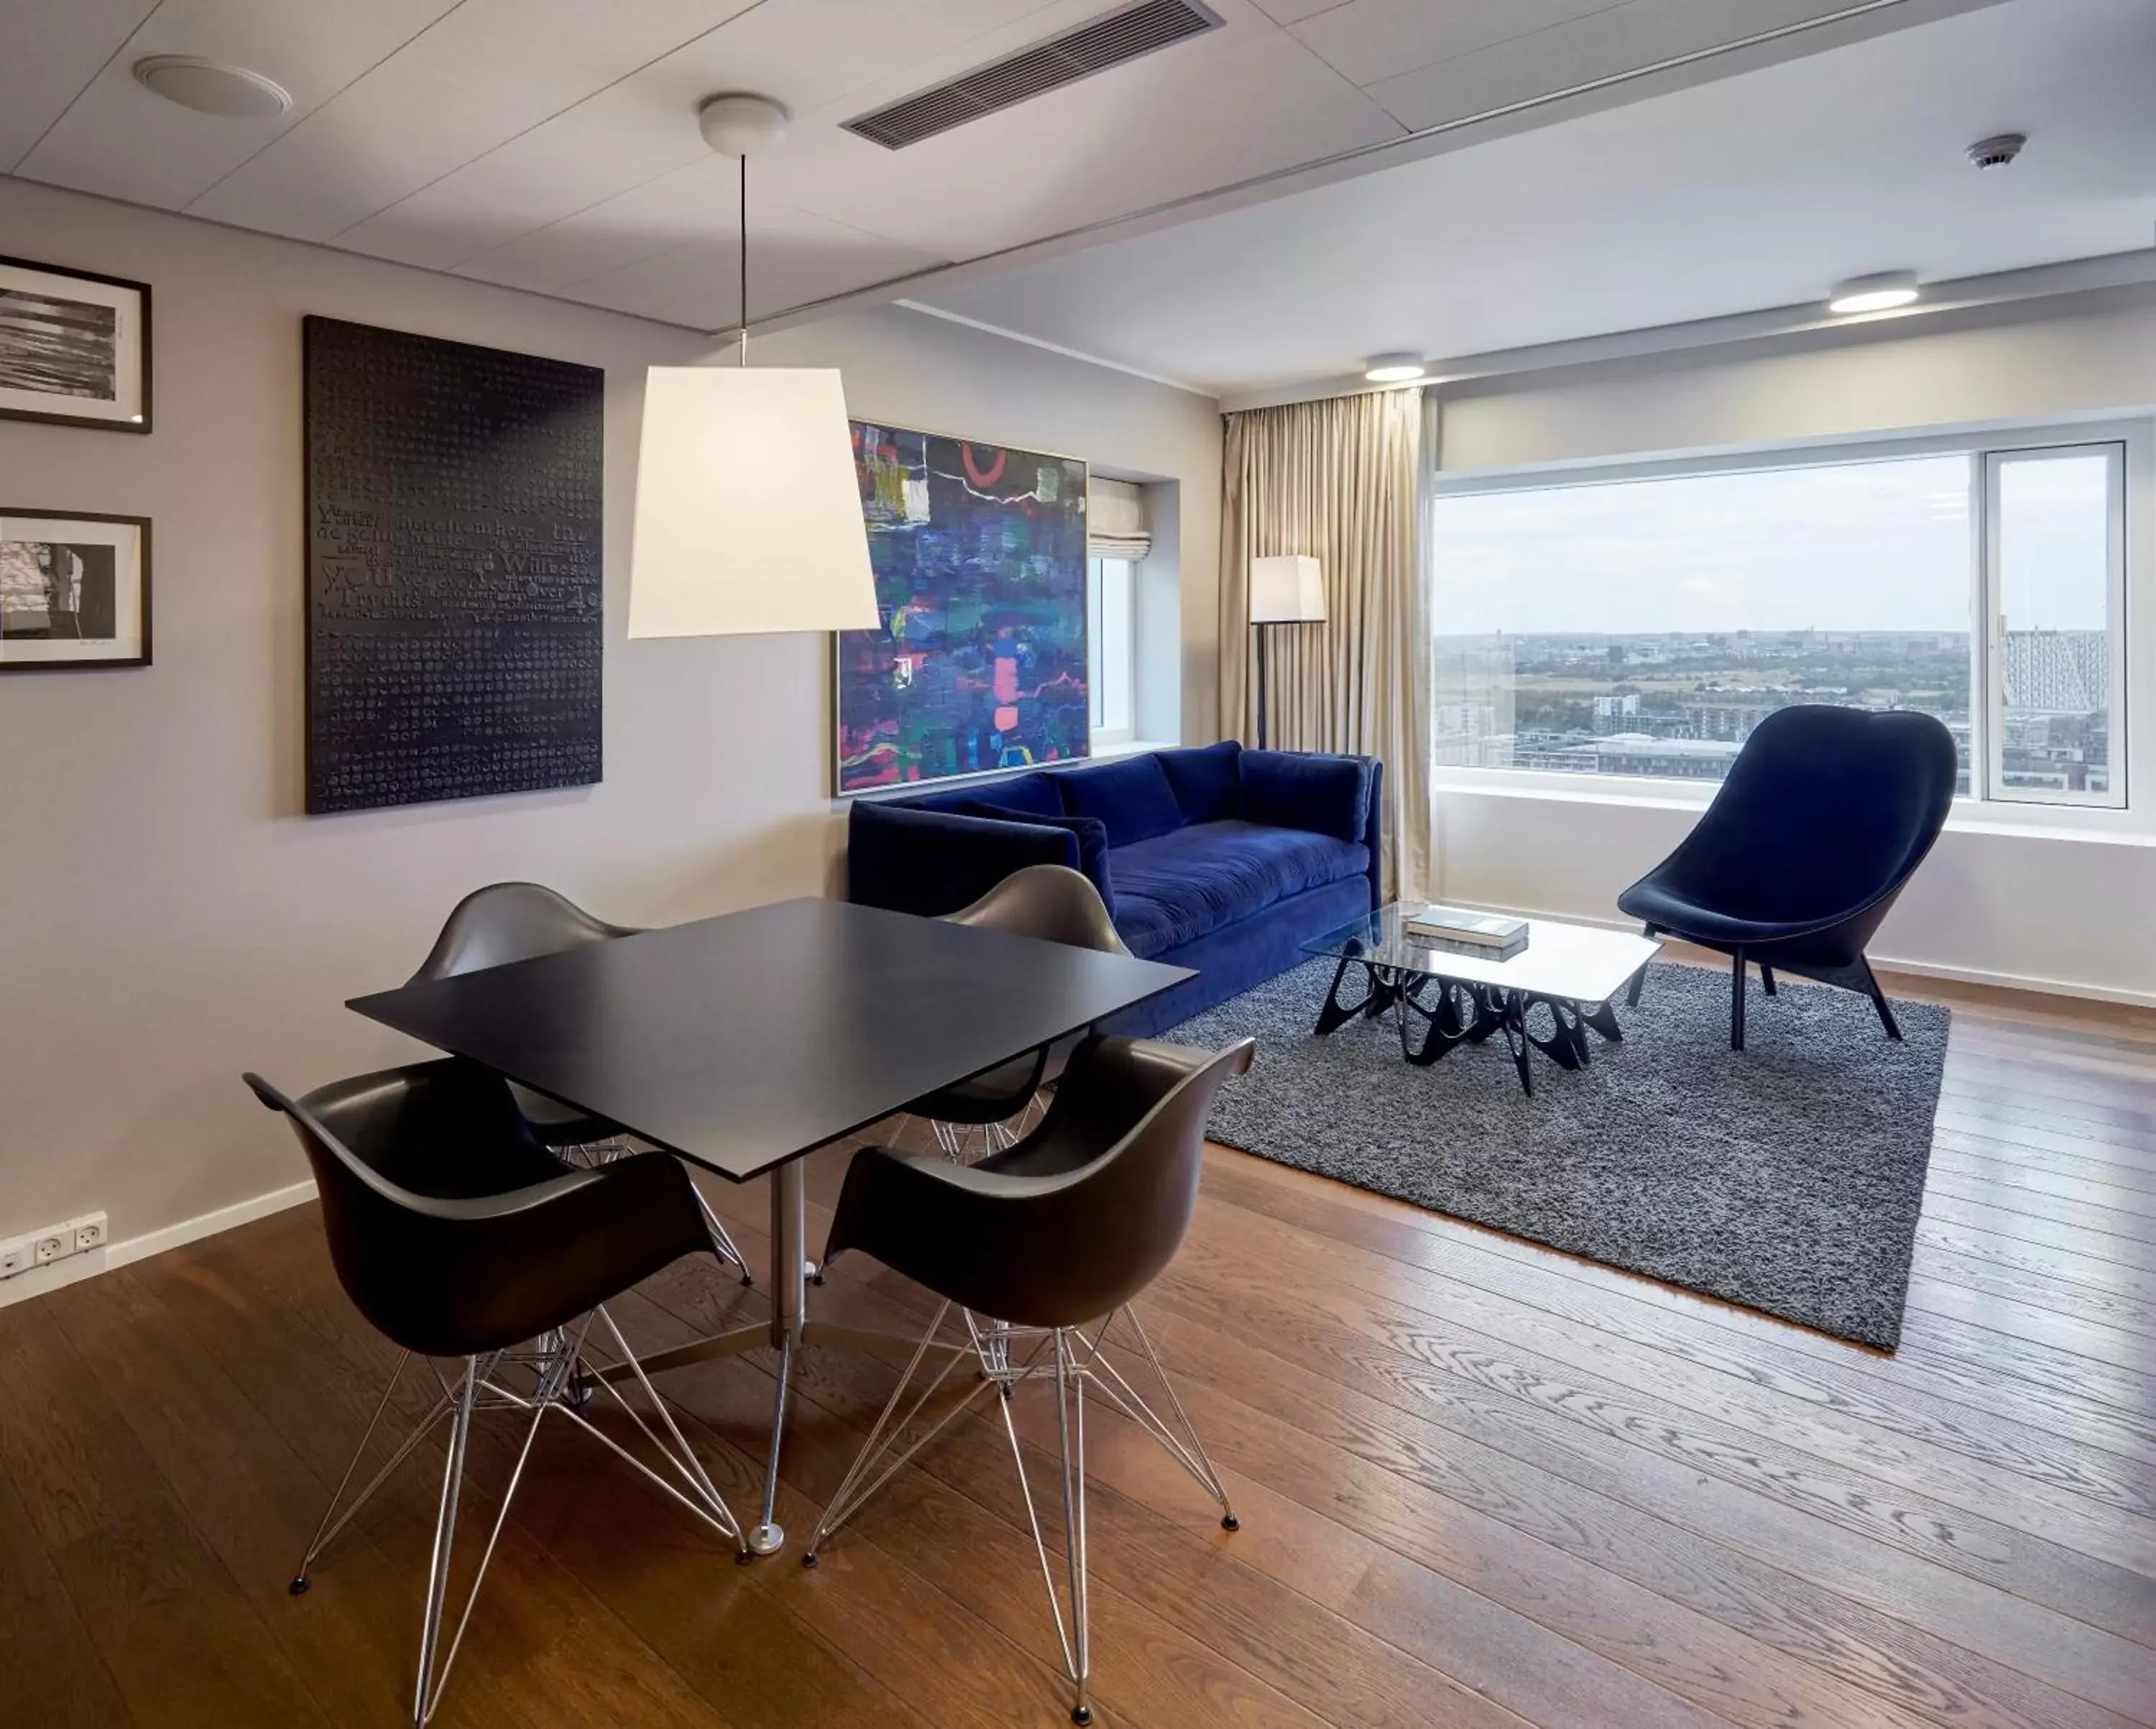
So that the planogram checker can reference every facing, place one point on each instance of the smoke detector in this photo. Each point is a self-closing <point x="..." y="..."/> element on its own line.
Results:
<point x="1996" y="151"/>
<point x="212" y="87"/>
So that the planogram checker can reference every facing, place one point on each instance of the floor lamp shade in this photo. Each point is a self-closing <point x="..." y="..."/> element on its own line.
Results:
<point x="748" y="514"/>
<point x="1286" y="591"/>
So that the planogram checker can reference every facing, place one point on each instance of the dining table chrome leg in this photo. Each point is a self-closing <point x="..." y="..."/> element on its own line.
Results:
<point x="788" y="1332"/>
<point x="789" y="1316"/>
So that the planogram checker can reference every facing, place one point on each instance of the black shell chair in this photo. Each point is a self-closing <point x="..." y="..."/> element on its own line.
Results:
<point x="1055" y="1236"/>
<point x="1825" y="815"/>
<point x="456" y="1234"/>
<point x="505" y="922"/>
<point x="1055" y="904"/>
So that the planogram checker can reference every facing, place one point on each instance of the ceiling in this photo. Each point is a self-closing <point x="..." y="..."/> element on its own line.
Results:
<point x="550" y="145"/>
<point x="1752" y="192"/>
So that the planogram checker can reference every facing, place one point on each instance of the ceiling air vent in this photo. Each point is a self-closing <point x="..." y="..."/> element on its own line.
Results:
<point x="1110" y="41"/>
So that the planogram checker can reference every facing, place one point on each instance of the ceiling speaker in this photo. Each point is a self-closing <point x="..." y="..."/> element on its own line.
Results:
<point x="211" y="87"/>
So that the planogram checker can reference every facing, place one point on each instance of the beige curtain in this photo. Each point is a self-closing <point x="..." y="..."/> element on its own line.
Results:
<point x="1341" y="480"/>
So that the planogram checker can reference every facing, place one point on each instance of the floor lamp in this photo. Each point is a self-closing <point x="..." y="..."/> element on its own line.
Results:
<point x="1283" y="590"/>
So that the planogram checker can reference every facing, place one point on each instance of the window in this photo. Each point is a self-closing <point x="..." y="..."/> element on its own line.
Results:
<point x="2055" y="546"/>
<point x="1111" y="648"/>
<point x="1645" y="625"/>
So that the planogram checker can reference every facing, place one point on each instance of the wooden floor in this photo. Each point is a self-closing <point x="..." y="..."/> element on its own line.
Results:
<point x="1480" y="1484"/>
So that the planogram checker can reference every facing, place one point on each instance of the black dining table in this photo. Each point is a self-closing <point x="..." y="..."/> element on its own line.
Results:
<point x="743" y="1042"/>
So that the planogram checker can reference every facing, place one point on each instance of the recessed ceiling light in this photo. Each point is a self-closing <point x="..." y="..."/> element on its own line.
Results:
<point x="1878" y="293"/>
<point x="1392" y="368"/>
<point x="211" y="87"/>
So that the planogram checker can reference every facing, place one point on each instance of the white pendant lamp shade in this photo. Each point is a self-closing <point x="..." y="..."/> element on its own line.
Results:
<point x="748" y="514"/>
<point x="1286" y="591"/>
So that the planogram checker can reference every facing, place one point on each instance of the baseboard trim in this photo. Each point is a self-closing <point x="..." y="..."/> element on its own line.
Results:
<point x="76" y="1267"/>
<point x="1889" y="963"/>
<point x="2019" y="982"/>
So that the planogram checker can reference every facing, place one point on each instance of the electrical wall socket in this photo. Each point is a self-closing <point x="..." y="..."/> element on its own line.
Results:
<point x="78" y="1236"/>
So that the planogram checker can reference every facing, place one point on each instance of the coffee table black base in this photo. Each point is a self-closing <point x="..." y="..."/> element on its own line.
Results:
<point x="1382" y="990"/>
<point x="1438" y="1015"/>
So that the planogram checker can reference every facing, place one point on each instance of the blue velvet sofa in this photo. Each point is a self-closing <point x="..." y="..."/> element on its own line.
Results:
<point x="1223" y="859"/>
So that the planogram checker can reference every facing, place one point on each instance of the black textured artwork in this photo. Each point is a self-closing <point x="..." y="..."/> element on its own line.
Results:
<point x="455" y="624"/>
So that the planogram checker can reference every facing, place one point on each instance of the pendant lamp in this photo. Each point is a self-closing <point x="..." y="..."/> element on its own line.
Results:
<point x="748" y="514"/>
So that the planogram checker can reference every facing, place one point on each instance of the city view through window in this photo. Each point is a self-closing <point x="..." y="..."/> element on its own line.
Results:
<point x="1645" y="627"/>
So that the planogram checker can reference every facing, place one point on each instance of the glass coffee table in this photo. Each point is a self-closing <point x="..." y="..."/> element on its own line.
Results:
<point x="1448" y="994"/>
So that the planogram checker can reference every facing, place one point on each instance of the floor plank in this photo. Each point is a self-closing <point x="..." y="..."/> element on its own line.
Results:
<point x="174" y="1629"/>
<point x="1744" y="1369"/>
<point x="46" y="1653"/>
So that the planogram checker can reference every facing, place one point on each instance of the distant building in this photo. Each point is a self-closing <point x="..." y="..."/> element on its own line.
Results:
<point x="1472" y="721"/>
<point x="1630" y="754"/>
<point x="1730" y="718"/>
<point x="2058" y="672"/>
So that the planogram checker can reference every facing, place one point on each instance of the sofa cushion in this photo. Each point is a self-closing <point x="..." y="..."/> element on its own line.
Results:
<point x="1304" y="789"/>
<point x="1091" y="832"/>
<point x="1132" y="796"/>
<point x="1178" y="887"/>
<point x="1032" y="793"/>
<point x="932" y="862"/>
<point x="1204" y="781"/>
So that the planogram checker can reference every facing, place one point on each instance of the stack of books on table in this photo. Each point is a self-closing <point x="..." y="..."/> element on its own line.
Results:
<point x="1494" y="936"/>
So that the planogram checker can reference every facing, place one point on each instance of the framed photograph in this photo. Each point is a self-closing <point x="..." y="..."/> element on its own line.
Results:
<point x="980" y="661"/>
<point x="75" y="348"/>
<point x="74" y="591"/>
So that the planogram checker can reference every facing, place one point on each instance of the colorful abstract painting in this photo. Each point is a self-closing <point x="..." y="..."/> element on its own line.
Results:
<point x="979" y="664"/>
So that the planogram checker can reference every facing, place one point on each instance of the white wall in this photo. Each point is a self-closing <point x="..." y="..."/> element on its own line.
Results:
<point x="2075" y="913"/>
<point x="2025" y="910"/>
<point x="169" y="919"/>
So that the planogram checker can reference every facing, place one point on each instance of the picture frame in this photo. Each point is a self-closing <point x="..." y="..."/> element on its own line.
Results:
<point x="74" y="591"/>
<point x="979" y="666"/>
<point x="75" y="347"/>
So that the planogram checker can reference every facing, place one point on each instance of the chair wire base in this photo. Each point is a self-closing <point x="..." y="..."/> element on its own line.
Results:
<point x="620" y="1146"/>
<point x="563" y="1375"/>
<point x="1073" y="1359"/>
<point x="964" y="1143"/>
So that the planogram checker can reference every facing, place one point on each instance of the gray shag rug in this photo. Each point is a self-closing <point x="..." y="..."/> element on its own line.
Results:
<point x="1786" y="1177"/>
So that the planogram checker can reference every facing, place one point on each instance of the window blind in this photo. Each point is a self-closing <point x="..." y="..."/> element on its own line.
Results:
<point x="1116" y="526"/>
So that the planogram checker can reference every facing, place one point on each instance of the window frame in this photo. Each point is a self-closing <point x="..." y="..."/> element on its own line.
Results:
<point x="1100" y="738"/>
<point x="2133" y="733"/>
<point x="1988" y="639"/>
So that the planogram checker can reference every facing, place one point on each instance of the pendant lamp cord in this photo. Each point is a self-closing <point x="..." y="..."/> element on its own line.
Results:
<point x="744" y="258"/>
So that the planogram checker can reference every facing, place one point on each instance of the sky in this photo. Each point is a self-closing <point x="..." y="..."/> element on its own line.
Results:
<point x="1869" y="545"/>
